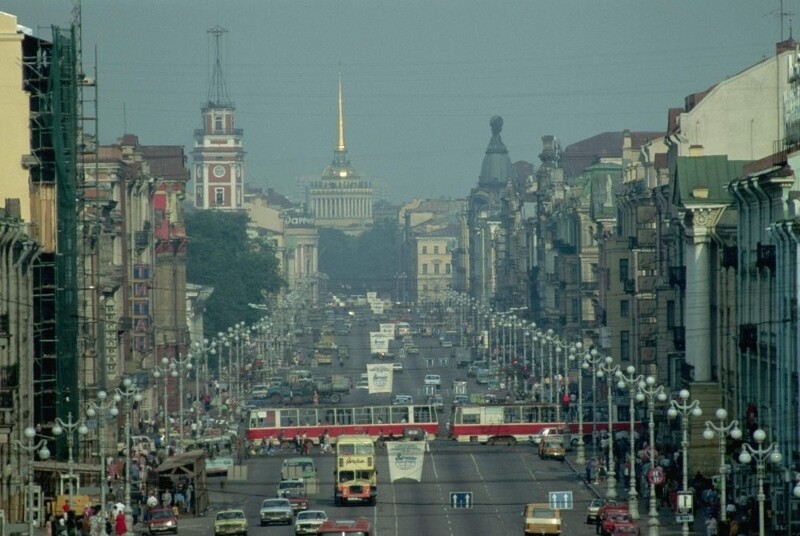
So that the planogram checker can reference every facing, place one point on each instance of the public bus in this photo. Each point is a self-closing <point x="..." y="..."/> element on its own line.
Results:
<point x="359" y="526"/>
<point x="510" y="423"/>
<point x="355" y="477"/>
<point x="272" y="424"/>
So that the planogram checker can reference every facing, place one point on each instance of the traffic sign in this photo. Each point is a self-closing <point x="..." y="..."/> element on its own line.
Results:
<point x="460" y="499"/>
<point x="655" y="475"/>
<point x="684" y="518"/>
<point x="685" y="502"/>
<point x="561" y="500"/>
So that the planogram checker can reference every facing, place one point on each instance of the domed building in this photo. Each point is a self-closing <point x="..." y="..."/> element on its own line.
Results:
<point x="341" y="199"/>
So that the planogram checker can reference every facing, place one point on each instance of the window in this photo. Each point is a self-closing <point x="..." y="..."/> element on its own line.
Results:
<point x="436" y="250"/>
<point x="424" y="250"/>
<point x="424" y="268"/>
<point x="435" y="268"/>
<point x="576" y="309"/>
<point x="219" y="196"/>
<point x="624" y="346"/>
<point x="671" y="313"/>
<point x="218" y="123"/>
<point x="447" y="268"/>
<point x="624" y="308"/>
<point x="623" y="270"/>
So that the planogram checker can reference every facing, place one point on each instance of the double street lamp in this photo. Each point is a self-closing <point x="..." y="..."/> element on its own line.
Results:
<point x="761" y="454"/>
<point x="685" y="409"/>
<point x="610" y="371"/>
<point x="721" y="431"/>
<point x="31" y="448"/>
<point x="580" y="458"/>
<point x="70" y="428"/>
<point x="593" y="360"/>
<point x="648" y="390"/>
<point x="129" y="393"/>
<point x="630" y="380"/>
<point x="176" y="367"/>
<point x="100" y="408"/>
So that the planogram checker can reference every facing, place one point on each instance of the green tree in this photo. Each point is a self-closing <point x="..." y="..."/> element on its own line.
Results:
<point x="241" y="270"/>
<point x="355" y="265"/>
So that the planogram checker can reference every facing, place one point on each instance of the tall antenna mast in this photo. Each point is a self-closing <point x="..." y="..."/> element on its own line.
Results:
<point x="217" y="91"/>
<point x="341" y="144"/>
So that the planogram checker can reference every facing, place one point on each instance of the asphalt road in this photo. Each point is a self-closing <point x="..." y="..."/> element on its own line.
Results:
<point x="500" y="479"/>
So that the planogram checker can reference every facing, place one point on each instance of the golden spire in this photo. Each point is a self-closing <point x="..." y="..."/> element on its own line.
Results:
<point x="341" y="146"/>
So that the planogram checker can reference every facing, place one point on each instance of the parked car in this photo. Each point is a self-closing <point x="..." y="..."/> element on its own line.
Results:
<point x="594" y="508"/>
<point x="162" y="520"/>
<point x="399" y="400"/>
<point x="277" y="510"/>
<point x="437" y="401"/>
<point x="230" y="521"/>
<point x="309" y="521"/>
<point x="433" y="379"/>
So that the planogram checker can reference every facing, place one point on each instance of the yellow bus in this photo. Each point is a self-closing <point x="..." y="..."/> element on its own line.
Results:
<point x="356" y="479"/>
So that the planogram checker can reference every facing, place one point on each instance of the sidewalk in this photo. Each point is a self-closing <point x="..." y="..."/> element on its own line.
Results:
<point x="668" y="526"/>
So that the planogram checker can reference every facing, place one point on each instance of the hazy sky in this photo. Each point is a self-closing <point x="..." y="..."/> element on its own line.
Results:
<point x="421" y="78"/>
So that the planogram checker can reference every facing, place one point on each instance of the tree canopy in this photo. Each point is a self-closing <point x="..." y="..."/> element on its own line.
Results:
<point x="357" y="264"/>
<point x="242" y="270"/>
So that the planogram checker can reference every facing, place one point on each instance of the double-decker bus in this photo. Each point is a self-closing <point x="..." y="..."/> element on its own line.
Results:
<point x="355" y="477"/>
<point x="359" y="526"/>
<point x="509" y="423"/>
<point x="272" y="424"/>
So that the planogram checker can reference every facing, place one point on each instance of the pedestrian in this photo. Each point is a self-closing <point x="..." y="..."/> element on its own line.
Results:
<point x="189" y="498"/>
<point x="120" y="526"/>
<point x="180" y="501"/>
<point x="711" y="526"/>
<point x="166" y="499"/>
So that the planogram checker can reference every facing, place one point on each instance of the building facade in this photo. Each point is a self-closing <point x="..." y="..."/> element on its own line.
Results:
<point x="341" y="199"/>
<point x="218" y="153"/>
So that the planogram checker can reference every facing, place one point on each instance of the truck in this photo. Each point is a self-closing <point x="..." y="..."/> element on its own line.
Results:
<point x="330" y="389"/>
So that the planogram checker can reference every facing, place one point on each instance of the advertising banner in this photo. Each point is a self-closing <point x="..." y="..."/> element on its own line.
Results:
<point x="379" y="378"/>
<point x="378" y="343"/>
<point x="405" y="459"/>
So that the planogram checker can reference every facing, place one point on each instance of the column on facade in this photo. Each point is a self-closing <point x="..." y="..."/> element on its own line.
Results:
<point x="698" y="311"/>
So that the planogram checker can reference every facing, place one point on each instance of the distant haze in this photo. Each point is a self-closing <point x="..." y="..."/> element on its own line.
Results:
<point x="421" y="78"/>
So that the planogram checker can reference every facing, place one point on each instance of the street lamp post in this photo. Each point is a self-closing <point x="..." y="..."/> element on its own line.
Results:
<point x="176" y="366"/>
<point x="205" y="348"/>
<point x="685" y="409"/>
<point x="721" y="431"/>
<point x="630" y="380"/>
<point x="648" y="390"/>
<point x="130" y="394"/>
<point x="609" y="370"/>
<point x="580" y="457"/>
<point x="98" y="409"/>
<point x="157" y="373"/>
<point x="593" y="360"/>
<point x="70" y="427"/>
<point x="31" y="448"/>
<point x="761" y="454"/>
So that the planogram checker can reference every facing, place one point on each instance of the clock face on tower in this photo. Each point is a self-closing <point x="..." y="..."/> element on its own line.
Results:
<point x="219" y="171"/>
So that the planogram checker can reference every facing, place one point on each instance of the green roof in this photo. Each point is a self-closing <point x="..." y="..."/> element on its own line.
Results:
<point x="704" y="179"/>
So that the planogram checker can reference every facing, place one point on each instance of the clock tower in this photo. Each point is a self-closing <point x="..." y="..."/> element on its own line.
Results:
<point x="218" y="170"/>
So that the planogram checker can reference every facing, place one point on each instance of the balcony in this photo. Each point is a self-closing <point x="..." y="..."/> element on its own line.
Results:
<point x="748" y="337"/>
<point x="765" y="256"/>
<point x="679" y="338"/>
<point x="677" y="277"/>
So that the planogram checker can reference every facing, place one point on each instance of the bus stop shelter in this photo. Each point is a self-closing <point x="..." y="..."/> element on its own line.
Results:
<point x="179" y="469"/>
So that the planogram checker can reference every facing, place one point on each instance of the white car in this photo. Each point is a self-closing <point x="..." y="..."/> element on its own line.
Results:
<point x="397" y="367"/>
<point x="362" y="384"/>
<point x="433" y="379"/>
<point x="309" y="521"/>
<point x="401" y="400"/>
<point x="276" y="511"/>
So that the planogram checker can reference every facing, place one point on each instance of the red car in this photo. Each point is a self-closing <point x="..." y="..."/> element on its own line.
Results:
<point x="614" y="518"/>
<point x="625" y="529"/>
<point x="605" y="511"/>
